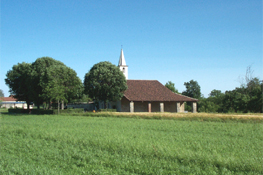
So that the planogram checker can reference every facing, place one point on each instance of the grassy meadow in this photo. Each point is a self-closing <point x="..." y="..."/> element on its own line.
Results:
<point x="63" y="144"/>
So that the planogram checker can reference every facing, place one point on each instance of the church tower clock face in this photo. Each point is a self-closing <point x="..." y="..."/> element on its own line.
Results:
<point x="122" y="65"/>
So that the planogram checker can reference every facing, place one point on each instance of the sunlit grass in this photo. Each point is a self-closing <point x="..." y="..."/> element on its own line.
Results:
<point x="248" y="117"/>
<point x="50" y="144"/>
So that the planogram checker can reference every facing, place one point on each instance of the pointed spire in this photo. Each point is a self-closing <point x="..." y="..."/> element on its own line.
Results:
<point x="122" y="61"/>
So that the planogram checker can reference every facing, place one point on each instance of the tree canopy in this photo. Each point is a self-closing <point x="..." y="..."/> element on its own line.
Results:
<point x="193" y="89"/>
<point x="105" y="82"/>
<point x="170" y="85"/>
<point x="1" y="93"/>
<point x="19" y="80"/>
<point x="39" y="73"/>
<point x="61" y="83"/>
<point x="43" y="81"/>
<point x="246" y="98"/>
<point x="47" y="80"/>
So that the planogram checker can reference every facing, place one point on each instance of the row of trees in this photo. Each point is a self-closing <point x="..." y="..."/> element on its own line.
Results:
<point x="47" y="80"/>
<point x="246" y="98"/>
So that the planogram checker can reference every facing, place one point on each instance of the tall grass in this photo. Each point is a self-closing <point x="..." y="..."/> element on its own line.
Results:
<point x="32" y="144"/>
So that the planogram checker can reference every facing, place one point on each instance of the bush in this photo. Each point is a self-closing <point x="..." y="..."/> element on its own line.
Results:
<point x="30" y="111"/>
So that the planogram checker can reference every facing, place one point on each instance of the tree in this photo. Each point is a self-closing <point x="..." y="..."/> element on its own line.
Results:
<point x="254" y="91"/>
<point x="1" y="93"/>
<point x="214" y="103"/>
<point x="19" y="80"/>
<point x="84" y="98"/>
<point x="60" y="84"/>
<point x="215" y="93"/>
<point x="170" y="85"/>
<point x="39" y="81"/>
<point x="105" y="82"/>
<point x="192" y="89"/>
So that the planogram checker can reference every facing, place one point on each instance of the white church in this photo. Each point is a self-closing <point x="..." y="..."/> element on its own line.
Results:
<point x="149" y="95"/>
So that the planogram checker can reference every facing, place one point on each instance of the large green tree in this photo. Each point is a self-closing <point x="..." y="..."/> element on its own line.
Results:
<point x="193" y="89"/>
<point x="39" y="73"/>
<point x="105" y="82"/>
<point x="61" y="84"/>
<point x="170" y="85"/>
<point x="19" y="80"/>
<point x="43" y="81"/>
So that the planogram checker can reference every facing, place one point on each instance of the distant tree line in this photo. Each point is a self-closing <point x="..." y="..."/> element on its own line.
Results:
<point x="243" y="99"/>
<point x="48" y="81"/>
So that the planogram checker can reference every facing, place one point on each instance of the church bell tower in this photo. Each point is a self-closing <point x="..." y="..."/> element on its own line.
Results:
<point x="122" y="65"/>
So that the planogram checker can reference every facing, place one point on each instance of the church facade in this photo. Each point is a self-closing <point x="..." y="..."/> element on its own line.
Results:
<point x="150" y="95"/>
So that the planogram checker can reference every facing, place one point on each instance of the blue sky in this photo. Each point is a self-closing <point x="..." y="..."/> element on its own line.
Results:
<point x="211" y="42"/>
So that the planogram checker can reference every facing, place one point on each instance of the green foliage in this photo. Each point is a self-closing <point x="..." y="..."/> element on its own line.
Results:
<point x="39" y="76"/>
<point x="192" y="89"/>
<point x="90" y="145"/>
<point x="214" y="103"/>
<point x="170" y="85"/>
<point x="245" y="98"/>
<point x="105" y="82"/>
<point x="19" y="81"/>
<point x="1" y="93"/>
<point x="43" y="81"/>
<point x="84" y="98"/>
<point x="61" y="83"/>
<point x="29" y="111"/>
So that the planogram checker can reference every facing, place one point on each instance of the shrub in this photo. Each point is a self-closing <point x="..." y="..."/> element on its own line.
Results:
<point x="30" y="111"/>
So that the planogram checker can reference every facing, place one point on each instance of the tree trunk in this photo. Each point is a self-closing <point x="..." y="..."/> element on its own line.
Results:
<point x="105" y="105"/>
<point x="28" y="105"/>
<point x="62" y="105"/>
<point x="49" y="105"/>
<point x="58" y="106"/>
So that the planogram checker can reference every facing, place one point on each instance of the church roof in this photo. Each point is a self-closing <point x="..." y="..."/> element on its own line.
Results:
<point x="152" y="90"/>
<point x="122" y="61"/>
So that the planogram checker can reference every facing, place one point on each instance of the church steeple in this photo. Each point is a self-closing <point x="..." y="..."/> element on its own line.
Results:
<point x="122" y="65"/>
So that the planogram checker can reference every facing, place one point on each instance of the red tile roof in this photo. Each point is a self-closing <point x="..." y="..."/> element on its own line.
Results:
<point x="11" y="98"/>
<point x="152" y="90"/>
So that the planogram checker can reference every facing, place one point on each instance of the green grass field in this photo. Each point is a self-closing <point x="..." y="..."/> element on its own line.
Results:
<point x="50" y="144"/>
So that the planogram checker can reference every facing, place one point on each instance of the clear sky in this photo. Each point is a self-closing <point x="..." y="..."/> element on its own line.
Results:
<point x="209" y="41"/>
